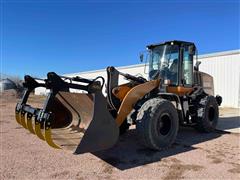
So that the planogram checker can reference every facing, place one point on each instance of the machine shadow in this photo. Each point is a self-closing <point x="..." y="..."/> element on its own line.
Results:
<point x="226" y="123"/>
<point x="129" y="153"/>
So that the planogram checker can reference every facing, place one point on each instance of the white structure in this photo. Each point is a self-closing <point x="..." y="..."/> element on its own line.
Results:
<point x="223" y="66"/>
<point x="225" y="69"/>
<point x="6" y="84"/>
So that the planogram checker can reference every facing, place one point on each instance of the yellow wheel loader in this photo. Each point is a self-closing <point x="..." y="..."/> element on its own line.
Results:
<point x="76" y="116"/>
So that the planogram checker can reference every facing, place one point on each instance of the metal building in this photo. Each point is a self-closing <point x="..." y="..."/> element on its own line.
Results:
<point x="223" y="66"/>
<point x="6" y="84"/>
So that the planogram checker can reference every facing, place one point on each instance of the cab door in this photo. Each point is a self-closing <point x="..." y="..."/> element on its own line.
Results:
<point x="185" y="72"/>
<point x="187" y="67"/>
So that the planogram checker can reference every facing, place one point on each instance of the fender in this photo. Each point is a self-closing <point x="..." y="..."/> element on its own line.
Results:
<point x="131" y="98"/>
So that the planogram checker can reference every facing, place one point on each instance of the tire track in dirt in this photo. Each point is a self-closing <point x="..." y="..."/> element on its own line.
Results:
<point x="60" y="174"/>
<point x="236" y="169"/>
<point x="177" y="168"/>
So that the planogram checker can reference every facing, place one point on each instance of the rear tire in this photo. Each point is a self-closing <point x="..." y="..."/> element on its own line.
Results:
<point x="157" y="123"/>
<point x="207" y="114"/>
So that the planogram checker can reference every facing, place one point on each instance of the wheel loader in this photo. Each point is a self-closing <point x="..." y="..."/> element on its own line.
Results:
<point x="77" y="117"/>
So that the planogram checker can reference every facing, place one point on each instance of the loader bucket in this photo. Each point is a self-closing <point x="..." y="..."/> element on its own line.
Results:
<point x="81" y="123"/>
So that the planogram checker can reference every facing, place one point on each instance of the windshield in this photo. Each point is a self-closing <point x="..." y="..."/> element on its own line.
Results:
<point x="163" y="62"/>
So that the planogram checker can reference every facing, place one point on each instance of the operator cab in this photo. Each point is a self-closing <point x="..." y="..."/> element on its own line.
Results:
<point x="172" y="61"/>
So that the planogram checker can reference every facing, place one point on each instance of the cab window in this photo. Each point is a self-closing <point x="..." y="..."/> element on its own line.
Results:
<point x="187" y="68"/>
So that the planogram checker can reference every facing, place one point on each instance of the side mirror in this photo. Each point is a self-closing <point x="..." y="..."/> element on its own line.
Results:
<point x="196" y="67"/>
<point x="191" y="49"/>
<point x="141" y="57"/>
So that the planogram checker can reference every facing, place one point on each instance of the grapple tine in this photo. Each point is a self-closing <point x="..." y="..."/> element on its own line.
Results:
<point x="30" y="123"/>
<point x="23" y="120"/>
<point x="48" y="135"/>
<point x="17" y="116"/>
<point x="38" y="130"/>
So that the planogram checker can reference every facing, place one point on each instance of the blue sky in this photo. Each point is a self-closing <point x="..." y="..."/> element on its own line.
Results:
<point x="73" y="36"/>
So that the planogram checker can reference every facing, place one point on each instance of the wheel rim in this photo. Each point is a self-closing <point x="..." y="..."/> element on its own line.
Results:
<point x="164" y="124"/>
<point x="211" y="114"/>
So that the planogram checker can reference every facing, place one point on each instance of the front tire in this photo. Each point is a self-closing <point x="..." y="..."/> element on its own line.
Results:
<point x="207" y="114"/>
<point x="157" y="123"/>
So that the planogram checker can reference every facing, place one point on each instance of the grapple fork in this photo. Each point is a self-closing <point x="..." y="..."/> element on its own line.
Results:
<point x="78" y="122"/>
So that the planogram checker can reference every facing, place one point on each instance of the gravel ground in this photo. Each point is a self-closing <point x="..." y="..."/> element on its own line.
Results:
<point x="193" y="156"/>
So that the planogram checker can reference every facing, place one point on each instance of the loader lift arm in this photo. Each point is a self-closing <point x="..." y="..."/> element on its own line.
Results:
<point x="116" y="92"/>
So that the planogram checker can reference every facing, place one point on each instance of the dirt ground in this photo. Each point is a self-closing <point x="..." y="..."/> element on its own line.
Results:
<point x="193" y="156"/>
